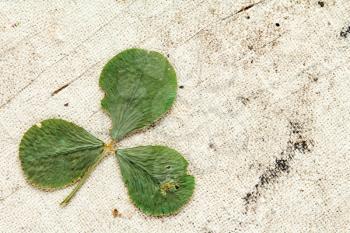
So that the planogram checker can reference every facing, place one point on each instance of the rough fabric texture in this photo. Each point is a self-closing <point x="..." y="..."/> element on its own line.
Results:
<point x="262" y="114"/>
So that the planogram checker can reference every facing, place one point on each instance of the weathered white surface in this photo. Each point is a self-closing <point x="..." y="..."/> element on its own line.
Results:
<point x="253" y="92"/>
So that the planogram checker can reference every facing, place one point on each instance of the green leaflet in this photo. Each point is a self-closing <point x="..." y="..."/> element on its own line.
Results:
<point x="156" y="178"/>
<point x="55" y="153"/>
<point x="139" y="87"/>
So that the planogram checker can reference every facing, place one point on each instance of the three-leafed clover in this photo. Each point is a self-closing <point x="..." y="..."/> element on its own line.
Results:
<point x="140" y="86"/>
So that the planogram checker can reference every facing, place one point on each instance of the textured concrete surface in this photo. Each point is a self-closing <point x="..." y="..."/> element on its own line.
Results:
<point x="263" y="116"/>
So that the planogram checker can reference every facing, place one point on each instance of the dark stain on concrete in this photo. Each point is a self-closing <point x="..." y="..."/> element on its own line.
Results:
<point x="345" y="32"/>
<point x="297" y="142"/>
<point x="243" y="100"/>
<point x="321" y="3"/>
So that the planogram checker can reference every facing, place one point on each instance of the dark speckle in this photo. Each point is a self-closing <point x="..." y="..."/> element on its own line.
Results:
<point x="15" y="25"/>
<point x="303" y="146"/>
<point x="116" y="213"/>
<point x="243" y="100"/>
<point x="315" y="79"/>
<point x="212" y="146"/>
<point x="321" y="3"/>
<point x="168" y="55"/>
<point x="247" y="17"/>
<point x="282" y="165"/>
<point x="181" y="87"/>
<point x="295" y="127"/>
<point x="66" y="104"/>
<point x="153" y="125"/>
<point x="277" y="24"/>
<point x="345" y="32"/>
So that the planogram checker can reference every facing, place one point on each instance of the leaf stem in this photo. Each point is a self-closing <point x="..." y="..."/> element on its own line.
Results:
<point x="109" y="148"/>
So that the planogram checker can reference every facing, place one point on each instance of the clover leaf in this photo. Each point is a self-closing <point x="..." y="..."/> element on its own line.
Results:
<point x="140" y="86"/>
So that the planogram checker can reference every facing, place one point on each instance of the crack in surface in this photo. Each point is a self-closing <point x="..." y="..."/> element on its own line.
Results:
<point x="31" y="82"/>
<point x="223" y="19"/>
<point x="243" y="9"/>
<point x="60" y="89"/>
<point x="15" y="190"/>
<point x="8" y="101"/>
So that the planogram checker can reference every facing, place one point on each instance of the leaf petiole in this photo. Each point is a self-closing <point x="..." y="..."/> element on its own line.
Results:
<point x="109" y="148"/>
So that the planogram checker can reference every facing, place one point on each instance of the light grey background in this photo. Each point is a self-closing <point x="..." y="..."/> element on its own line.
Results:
<point x="263" y="117"/>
